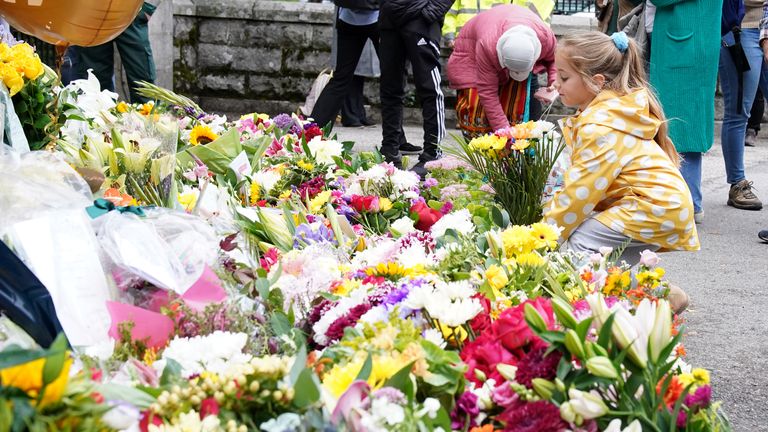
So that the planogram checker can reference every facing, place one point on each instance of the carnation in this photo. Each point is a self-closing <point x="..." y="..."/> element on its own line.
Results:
<point x="536" y="364"/>
<point x="540" y="416"/>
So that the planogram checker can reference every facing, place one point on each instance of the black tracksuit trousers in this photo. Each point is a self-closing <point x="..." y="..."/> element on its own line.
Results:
<point x="423" y="52"/>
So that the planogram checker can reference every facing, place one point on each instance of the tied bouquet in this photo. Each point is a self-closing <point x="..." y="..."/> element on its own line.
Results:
<point x="516" y="163"/>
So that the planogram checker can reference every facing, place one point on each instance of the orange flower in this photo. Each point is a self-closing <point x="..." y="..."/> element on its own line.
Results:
<point x="118" y="198"/>
<point x="147" y="108"/>
<point x="484" y="428"/>
<point x="674" y="390"/>
<point x="680" y="351"/>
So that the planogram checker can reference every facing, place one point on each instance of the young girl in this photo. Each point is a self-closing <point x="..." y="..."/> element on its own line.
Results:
<point x="624" y="186"/>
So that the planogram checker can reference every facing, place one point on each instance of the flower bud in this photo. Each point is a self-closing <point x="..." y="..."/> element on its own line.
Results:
<point x="661" y="333"/>
<point x="534" y="319"/>
<point x="567" y="413"/>
<point x="602" y="367"/>
<point x="564" y="313"/>
<point x="480" y="375"/>
<point x="573" y="344"/>
<point x="560" y="385"/>
<point x="507" y="371"/>
<point x="543" y="387"/>
<point x="588" y="405"/>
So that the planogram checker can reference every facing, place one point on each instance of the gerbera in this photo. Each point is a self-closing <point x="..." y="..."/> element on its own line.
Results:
<point x="544" y="235"/>
<point x="201" y="135"/>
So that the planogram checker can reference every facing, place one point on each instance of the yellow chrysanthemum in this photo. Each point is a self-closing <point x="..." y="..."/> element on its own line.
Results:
<point x="147" y="108"/>
<point x="285" y="194"/>
<point x="530" y="259"/>
<point x="255" y="194"/>
<point x="306" y="166"/>
<point x="450" y="334"/>
<point x="496" y="277"/>
<point x="521" y="144"/>
<point x="347" y="287"/>
<point x="392" y="270"/>
<point x="29" y="378"/>
<point x="122" y="107"/>
<point x="517" y="240"/>
<point x="201" y="135"/>
<point x="617" y="282"/>
<point x="544" y="235"/>
<point x="317" y="204"/>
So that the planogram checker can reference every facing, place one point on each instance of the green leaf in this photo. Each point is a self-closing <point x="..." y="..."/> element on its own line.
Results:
<point x="17" y="356"/>
<point x="299" y="364"/>
<point x="306" y="390"/>
<point x="402" y="381"/>
<point x="280" y="323"/>
<point x="605" y="332"/>
<point x="135" y="396"/>
<point x="365" y="371"/>
<point x="583" y="327"/>
<point x="499" y="217"/>
<point x="171" y="372"/>
<point x="57" y="355"/>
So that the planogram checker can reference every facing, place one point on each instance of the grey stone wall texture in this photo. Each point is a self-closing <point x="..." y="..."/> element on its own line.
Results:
<point x="240" y="56"/>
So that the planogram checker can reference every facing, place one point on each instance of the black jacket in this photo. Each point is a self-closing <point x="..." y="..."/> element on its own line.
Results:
<point x="413" y="13"/>
<point x="358" y="4"/>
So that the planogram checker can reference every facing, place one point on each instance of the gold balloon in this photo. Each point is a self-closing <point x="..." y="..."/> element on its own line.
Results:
<point x="71" y="22"/>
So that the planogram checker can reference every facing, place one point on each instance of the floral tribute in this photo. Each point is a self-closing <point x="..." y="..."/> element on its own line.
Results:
<point x="293" y="284"/>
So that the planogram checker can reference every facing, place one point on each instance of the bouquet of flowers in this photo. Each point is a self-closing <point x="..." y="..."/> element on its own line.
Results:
<point x="516" y="162"/>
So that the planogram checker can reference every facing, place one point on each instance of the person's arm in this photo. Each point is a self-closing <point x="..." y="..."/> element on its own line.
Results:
<point x="149" y="8"/>
<point x="488" y="85"/>
<point x="435" y="10"/>
<point x="586" y="180"/>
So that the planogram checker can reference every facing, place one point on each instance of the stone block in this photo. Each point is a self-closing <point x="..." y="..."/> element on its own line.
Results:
<point x="223" y="32"/>
<point x="184" y="28"/>
<point x="242" y="9"/>
<point x="257" y="60"/>
<point x="277" y="34"/>
<point x="215" y="56"/>
<point x="307" y="62"/>
<point x="230" y="82"/>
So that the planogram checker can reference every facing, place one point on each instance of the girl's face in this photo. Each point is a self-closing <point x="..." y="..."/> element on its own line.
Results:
<point x="574" y="92"/>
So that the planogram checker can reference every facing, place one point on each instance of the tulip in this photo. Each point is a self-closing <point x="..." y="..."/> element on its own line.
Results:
<point x="602" y="367"/>
<point x="662" y="330"/>
<point x="573" y="344"/>
<point x="564" y="312"/>
<point x="588" y="405"/>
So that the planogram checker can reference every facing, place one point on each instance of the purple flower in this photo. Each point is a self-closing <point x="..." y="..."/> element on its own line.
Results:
<point x="282" y="120"/>
<point x="306" y="235"/>
<point x="700" y="398"/>
<point x="466" y="409"/>
<point x="682" y="419"/>
<point x="391" y="394"/>
<point x="381" y="293"/>
<point x="430" y="182"/>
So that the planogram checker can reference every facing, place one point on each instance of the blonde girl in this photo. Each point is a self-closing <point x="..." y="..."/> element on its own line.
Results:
<point x="624" y="186"/>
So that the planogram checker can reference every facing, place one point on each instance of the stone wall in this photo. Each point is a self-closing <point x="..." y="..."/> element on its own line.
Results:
<point x="238" y="56"/>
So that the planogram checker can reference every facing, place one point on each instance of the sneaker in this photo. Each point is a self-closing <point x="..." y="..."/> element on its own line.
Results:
<point x="750" y="139"/>
<point x="698" y="217"/>
<point x="742" y="197"/>
<point x="763" y="235"/>
<point x="420" y="169"/>
<point x="408" y="148"/>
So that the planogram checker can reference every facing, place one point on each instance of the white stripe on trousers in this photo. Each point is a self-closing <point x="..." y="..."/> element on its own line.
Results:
<point x="440" y="103"/>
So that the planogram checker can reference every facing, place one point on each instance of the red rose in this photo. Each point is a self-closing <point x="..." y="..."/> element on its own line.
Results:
<point x="481" y="323"/>
<point x="427" y="216"/>
<point x="209" y="407"/>
<point x="312" y="132"/>
<point x="512" y="329"/>
<point x="483" y="354"/>
<point x="363" y="204"/>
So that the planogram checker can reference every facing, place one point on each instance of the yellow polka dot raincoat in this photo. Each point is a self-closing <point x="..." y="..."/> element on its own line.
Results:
<point x="621" y="177"/>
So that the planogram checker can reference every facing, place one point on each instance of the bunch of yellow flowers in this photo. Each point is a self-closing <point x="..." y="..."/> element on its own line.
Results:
<point x="18" y="63"/>
<point x="525" y="243"/>
<point x="490" y="145"/>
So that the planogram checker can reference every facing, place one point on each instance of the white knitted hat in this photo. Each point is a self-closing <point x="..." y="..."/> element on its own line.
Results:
<point x="518" y="49"/>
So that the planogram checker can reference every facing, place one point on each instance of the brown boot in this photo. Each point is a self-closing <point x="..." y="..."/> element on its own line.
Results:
<point x="742" y="197"/>
<point x="678" y="299"/>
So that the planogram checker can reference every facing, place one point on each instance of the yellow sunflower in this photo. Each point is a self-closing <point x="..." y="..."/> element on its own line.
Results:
<point x="202" y="135"/>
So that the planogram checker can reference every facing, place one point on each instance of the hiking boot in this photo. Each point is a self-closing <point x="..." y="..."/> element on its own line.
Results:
<point x="742" y="197"/>
<point x="750" y="139"/>
<point x="763" y="235"/>
<point x="408" y="148"/>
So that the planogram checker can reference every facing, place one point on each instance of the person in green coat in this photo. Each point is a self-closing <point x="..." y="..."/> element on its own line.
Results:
<point x="685" y="50"/>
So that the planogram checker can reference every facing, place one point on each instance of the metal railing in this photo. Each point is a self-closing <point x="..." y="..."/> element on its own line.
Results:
<point x="570" y="7"/>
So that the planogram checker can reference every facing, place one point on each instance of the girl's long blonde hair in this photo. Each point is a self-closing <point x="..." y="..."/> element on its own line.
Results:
<point x="592" y="53"/>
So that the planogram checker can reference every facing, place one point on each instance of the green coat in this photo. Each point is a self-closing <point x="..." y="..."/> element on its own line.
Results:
<point x="685" y="51"/>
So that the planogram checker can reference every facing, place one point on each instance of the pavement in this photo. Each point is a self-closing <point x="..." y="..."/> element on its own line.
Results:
<point x="727" y="280"/>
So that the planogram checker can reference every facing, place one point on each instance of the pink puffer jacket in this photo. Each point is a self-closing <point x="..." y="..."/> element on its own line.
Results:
<point x="475" y="64"/>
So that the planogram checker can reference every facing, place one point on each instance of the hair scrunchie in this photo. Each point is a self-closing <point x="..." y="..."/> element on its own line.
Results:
<point x="621" y="40"/>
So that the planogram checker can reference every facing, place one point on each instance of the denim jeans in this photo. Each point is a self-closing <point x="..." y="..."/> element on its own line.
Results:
<point x="735" y="117"/>
<point x="690" y="168"/>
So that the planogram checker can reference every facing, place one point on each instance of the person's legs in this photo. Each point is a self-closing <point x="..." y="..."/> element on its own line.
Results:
<point x="424" y="55"/>
<point x="136" y="55"/>
<point x="755" y="118"/>
<point x="392" y="88"/>
<point x="353" y="108"/>
<point x="534" y="105"/>
<point x="351" y="40"/>
<point x="100" y="59"/>
<point x="591" y="235"/>
<point x="690" y="168"/>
